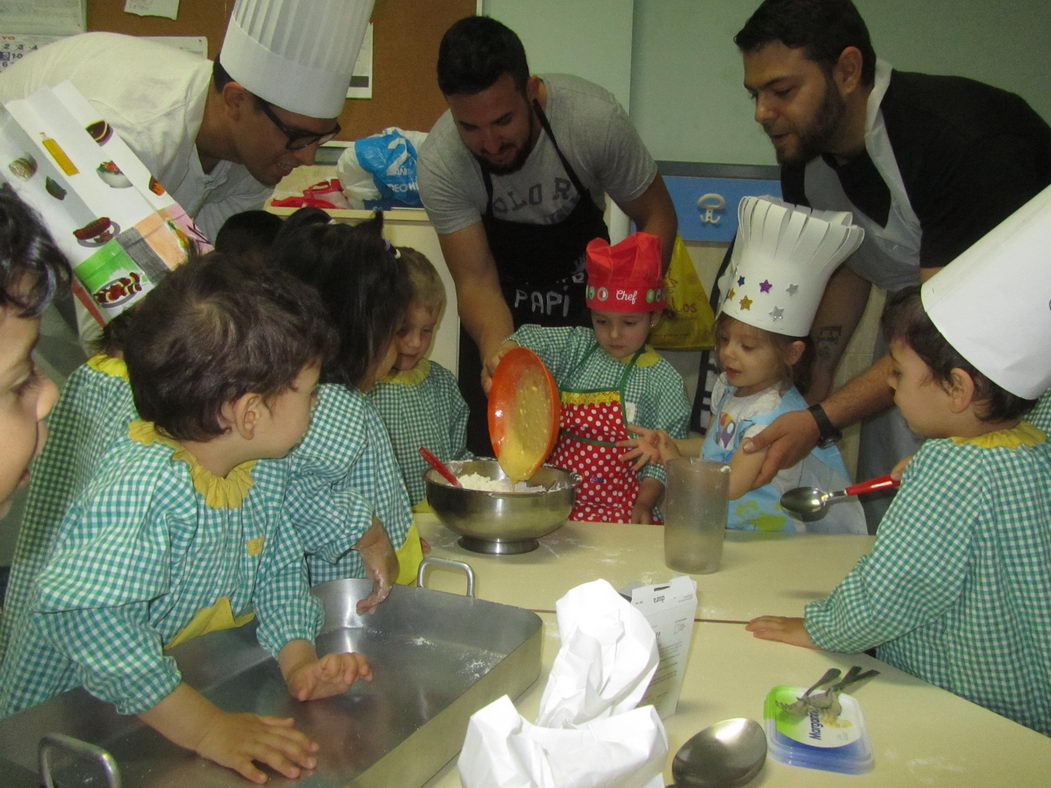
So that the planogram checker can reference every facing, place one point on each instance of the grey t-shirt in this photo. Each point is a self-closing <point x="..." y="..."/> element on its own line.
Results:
<point x="593" y="133"/>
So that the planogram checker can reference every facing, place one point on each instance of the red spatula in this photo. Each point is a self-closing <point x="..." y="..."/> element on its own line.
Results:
<point x="439" y="466"/>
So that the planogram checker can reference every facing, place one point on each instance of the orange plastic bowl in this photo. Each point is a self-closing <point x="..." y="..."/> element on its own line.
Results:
<point x="524" y="411"/>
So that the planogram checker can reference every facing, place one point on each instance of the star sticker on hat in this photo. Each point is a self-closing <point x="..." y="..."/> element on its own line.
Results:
<point x="764" y="286"/>
<point x="777" y="313"/>
<point x="731" y="294"/>
<point x="746" y="303"/>
<point x="792" y="289"/>
<point x="740" y="281"/>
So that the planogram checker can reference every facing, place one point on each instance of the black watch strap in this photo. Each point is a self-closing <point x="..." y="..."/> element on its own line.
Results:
<point x="827" y="433"/>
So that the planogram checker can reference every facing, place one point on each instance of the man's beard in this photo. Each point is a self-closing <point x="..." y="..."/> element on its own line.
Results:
<point x="518" y="162"/>
<point x="818" y="136"/>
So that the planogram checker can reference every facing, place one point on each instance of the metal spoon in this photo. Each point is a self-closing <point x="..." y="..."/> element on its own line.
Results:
<point x="800" y="704"/>
<point x="810" y="503"/>
<point x="730" y="752"/>
<point x="827" y="701"/>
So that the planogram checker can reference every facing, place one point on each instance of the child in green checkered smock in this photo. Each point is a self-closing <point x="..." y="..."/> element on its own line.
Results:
<point x="608" y="378"/>
<point x="181" y="531"/>
<point x="346" y="496"/>
<point x="419" y="400"/>
<point x="345" y="479"/>
<point x="654" y="395"/>
<point x="32" y="271"/>
<point x="957" y="588"/>
<point x="1040" y="415"/>
<point x="93" y="410"/>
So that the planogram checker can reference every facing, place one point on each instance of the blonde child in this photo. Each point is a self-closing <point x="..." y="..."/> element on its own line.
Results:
<point x="420" y="400"/>
<point x="347" y="497"/>
<point x="32" y="271"/>
<point x="957" y="588"/>
<point x="608" y="378"/>
<point x="181" y="531"/>
<point x="775" y="286"/>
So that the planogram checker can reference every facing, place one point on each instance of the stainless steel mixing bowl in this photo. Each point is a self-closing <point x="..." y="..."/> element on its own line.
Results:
<point x="501" y="522"/>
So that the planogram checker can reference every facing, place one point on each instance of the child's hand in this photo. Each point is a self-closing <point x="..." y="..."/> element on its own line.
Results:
<point x="381" y="564"/>
<point x="652" y="446"/>
<point x="899" y="468"/>
<point x="330" y="675"/>
<point x="641" y="515"/>
<point x="782" y="628"/>
<point x="238" y="741"/>
<point x="491" y="363"/>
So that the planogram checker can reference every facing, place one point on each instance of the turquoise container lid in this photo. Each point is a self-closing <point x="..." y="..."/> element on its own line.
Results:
<point x="813" y="740"/>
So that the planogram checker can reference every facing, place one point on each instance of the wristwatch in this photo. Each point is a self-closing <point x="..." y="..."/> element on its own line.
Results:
<point x="827" y="432"/>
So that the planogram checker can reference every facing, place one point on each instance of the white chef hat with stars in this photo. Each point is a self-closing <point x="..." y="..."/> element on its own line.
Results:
<point x="783" y="257"/>
<point x="993" y="302"/>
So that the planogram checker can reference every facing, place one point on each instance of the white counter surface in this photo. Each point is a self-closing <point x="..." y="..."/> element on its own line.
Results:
<point x="920" y="734"/>
<point x="760" y="574"/>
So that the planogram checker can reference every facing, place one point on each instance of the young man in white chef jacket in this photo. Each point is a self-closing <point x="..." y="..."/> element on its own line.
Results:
<point x="218" y="136"/>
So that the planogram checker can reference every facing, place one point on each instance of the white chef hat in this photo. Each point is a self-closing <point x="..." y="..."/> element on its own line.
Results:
<point x="783" y="257"/>
<point x="296" y="54"/>
<point x="993" y="302"/>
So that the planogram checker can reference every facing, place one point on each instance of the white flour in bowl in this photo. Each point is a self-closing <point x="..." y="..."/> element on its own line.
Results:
<point x="475" y="481"/>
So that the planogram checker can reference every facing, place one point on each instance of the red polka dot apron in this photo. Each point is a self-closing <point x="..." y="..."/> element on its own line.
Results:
<point x="592" y="423"/>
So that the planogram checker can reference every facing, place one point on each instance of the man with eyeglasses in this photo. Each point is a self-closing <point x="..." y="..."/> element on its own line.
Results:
<point x="218" y="136"/>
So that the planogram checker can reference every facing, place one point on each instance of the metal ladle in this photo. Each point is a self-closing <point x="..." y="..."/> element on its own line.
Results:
<point x="810" y="503"/>
<point x="730" y="752"/>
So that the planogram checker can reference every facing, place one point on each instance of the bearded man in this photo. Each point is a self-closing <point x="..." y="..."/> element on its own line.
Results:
<point x="513" y="177"/>
<point x="926" y="164"/>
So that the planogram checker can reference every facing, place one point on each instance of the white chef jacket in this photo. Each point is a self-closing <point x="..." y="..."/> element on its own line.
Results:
<point x="154" y="97"/>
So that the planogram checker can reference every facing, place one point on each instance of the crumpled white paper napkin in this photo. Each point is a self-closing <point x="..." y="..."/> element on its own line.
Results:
<point x="588" y="731"/>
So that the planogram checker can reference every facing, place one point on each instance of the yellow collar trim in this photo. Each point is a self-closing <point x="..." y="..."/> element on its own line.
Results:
<point x="219" y="492"/>
<point x="410" y="377"/>
<point x="647" y="358"/>
<point x="1022" y="435"/>
<point x="108" y="365"/>
<point x="591" y="397"/>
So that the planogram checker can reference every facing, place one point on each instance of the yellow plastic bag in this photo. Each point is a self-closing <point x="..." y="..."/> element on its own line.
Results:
<point x="692" y="322"/>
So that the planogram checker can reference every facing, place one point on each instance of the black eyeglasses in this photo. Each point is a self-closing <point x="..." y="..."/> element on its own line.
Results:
<point x="297" y="138"/>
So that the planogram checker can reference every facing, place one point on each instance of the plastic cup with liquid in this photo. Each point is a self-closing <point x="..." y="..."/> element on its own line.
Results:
<point x="695" y="506"/>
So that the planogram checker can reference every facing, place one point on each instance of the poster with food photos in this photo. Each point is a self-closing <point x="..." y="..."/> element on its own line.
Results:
<point x="119" y="227"/>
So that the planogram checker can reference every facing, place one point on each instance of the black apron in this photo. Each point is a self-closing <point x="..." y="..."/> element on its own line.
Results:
<point x="542" y="279"/>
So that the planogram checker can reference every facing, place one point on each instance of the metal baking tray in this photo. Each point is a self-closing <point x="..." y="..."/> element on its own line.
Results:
<point x="437" y="658"/>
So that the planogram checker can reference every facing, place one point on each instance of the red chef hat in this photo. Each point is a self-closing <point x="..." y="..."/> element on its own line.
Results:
<point x="625" y="277"/>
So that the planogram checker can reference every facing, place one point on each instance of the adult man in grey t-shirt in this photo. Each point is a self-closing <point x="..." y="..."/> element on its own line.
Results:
<point x="513" y="177"/>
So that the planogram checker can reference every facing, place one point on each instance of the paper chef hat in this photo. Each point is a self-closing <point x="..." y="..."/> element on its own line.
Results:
<point x="625" y="277"/>
<point x="993" y="302"/>
<point x="296" y="54"/>
<point x="784" y="255"/>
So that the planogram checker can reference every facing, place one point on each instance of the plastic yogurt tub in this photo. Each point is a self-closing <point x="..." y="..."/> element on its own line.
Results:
<point x="810" y="741"/>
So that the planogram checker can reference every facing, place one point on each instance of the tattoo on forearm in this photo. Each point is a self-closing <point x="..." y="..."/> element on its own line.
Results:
<point x="827" y="342"/>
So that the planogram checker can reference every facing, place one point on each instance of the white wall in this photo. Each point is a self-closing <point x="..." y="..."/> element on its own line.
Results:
<point x="589" y="38"/>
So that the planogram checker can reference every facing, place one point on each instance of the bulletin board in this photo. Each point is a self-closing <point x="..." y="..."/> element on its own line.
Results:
<point x="406" y="34"/>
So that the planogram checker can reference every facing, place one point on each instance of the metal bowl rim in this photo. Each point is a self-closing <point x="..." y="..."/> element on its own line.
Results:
<point x="573" y="479"/>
